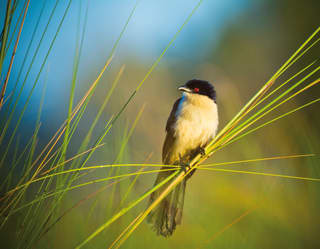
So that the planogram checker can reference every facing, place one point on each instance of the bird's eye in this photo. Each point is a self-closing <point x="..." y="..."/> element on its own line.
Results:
<point x="196" y="90"/>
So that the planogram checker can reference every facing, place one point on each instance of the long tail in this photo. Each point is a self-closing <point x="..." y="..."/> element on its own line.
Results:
<point x="168" y="213"/>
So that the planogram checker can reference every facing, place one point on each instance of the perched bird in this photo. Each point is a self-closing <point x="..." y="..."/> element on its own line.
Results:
<point x="192" y="123"/>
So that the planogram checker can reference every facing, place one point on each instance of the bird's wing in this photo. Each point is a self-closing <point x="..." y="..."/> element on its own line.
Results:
<point x="173" y="115"/>
<point x="168" y="143"/>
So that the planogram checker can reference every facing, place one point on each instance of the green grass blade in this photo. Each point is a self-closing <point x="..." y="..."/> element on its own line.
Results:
<point x="3" y="90"/>
<point x="257" y="160"/>
<point x="273" y="120"/>
<point x="125" y="210"/>
<point x="262" y="174"/>
<point x="5" y="34"/>
<point x="8" y="121"/>
<point x="258" y="94"/>
<point x="255" y="117"/>
<point x="34" y="85"/>
<point x="8" y="107"/>
<point x="86" y="184"/>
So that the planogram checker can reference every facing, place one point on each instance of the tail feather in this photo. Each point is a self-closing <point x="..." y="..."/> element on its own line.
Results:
<point x="168" y="213"/>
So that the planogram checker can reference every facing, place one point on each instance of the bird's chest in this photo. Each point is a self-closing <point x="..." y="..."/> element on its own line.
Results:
<point x="197" y="123"/>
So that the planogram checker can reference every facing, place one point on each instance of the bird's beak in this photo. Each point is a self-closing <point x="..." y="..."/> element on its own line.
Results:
<point x="184" y="89"/>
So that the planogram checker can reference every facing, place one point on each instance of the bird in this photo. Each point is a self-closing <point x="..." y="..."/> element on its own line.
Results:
<point x="192" y="124"/>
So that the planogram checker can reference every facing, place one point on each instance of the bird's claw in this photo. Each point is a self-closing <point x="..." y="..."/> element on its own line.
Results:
<point x="184" y="166"/>
<point x="202" y="151"/>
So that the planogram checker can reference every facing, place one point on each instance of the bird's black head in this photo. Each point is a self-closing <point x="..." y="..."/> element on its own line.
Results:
<point x="199" y="87"/>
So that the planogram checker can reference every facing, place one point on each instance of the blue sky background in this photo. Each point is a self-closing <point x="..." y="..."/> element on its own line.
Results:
<point x="151" y="28"/>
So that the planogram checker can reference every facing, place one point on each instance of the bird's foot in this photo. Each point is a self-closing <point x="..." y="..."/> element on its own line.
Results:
<point x="202" y="151"/>
<point x="185" y="166"/>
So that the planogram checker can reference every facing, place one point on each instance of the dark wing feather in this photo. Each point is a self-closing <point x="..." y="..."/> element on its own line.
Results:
<point x="173" y="115"/>
<point x="169" y="140"/>
<point x="168" y="213"/>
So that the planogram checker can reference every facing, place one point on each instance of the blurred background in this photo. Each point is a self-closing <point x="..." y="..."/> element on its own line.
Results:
<point x="237" y="46"/>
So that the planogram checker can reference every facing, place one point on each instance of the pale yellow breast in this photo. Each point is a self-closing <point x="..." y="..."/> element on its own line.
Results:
<point x="197" y="123"/>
